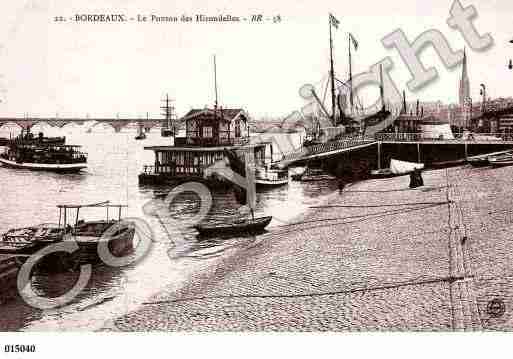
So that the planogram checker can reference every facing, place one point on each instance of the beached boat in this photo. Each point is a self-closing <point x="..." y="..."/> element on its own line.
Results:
<point x="243" y="226"/>
<point x="267" y="177"/>
<point x="114" y="233"/>
<point x="43" y="157"/>
<point x="29" y="240"/>
<point x="483" y="160"/>
<point x="501" y="160"/>
<point x="480" y="161"/>
<point x="315" y="174"/>
<point x="397" y="168"/>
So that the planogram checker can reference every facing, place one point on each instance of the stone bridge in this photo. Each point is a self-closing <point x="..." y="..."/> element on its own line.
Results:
<point x="116" y="123"/>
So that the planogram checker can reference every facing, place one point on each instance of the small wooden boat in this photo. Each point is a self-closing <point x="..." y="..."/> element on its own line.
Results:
<point x="140" y="136"/>
<point x="245" y="226"/>
<point x="315" y="174"/>
<point x="478" y="161"/>
<point x="483" y="160"/>
<point x="383" y="173"/>
<point x="114" y="234"/>
<point x="397" y="168"/>
<point x="166" y="132"/>
<point x="502" y="160"/>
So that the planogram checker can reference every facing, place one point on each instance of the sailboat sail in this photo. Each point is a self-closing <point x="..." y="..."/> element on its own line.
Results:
<point x="402" y="167"/>
<point x="244" y="196"/>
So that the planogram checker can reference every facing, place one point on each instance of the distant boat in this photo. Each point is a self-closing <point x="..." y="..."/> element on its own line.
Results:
<point x="397" y="168"/>
<point x="267" y="177"/>
<point x="315" y="174"/>
<point x="140" y="135"/>
<point x="169" y="113"/>
<point x="166" y="132"/>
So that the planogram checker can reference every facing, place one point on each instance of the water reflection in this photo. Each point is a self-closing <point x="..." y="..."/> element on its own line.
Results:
<point x="114" y="163"/>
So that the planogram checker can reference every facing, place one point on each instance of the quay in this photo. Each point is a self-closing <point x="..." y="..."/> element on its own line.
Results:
<point x="402" y="146"/>
<point x="377" y="256"/>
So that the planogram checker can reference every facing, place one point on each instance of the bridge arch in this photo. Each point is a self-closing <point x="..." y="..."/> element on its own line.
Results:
<point x="12" y="129"/>
<point x="99" y="126"/>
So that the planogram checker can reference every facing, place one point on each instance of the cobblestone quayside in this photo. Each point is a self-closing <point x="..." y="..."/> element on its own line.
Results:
<point x="379" y="256"/>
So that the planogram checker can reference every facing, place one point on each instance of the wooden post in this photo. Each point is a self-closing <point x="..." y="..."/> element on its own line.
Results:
<point x="379" y="155"/>
<point x="418" y="152"/>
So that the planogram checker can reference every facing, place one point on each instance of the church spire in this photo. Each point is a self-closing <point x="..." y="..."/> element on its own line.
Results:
<point x="464" y="91"/>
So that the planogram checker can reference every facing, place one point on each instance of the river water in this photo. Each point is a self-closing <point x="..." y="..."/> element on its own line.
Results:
<point x="114" y="161"/>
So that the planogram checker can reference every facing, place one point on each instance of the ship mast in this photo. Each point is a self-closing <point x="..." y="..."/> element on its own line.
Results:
<point x="332" y="76"/>
<point x="168" y="112"/>
<point x="215" y="82"/>
<point x="351" y="100"/>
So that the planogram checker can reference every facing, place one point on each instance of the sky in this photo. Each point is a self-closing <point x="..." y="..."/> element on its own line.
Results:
<point x="103" y="69"/>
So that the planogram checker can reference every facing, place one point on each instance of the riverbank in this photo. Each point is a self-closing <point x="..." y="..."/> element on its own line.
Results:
<point x="379" y="257"/>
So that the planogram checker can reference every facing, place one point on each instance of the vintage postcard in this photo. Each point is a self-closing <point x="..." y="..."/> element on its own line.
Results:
<point x="273" y="166"/>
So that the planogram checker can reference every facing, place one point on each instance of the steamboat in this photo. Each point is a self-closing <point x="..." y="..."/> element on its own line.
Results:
<point x="40" y="154"/>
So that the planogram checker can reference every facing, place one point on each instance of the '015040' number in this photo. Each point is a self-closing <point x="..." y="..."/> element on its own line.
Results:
<point x="9" y="348"/>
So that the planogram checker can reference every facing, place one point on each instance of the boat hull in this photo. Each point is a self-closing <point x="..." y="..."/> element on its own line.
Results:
<point x="64" y="168"/>
<point x="87" y="253"/>
<point x="501" y="163"/>
<point x="271" y="183"/>
<point x="479" y="162"/>
<point x="383" y="173"/>
<point x="249" y="227"/>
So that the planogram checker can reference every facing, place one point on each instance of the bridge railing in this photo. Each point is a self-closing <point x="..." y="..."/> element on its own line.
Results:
<point x="417" y="137"/>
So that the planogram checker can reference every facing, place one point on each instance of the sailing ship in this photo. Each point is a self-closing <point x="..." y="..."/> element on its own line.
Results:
<point x="344" y="119"/>
<point x="37" y="155"/>
<point x="27" y="241"/>
<point x="168" y="129"/>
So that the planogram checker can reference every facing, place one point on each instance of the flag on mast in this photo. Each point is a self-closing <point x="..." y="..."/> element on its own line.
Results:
<point x="334" y="22"/>
<point x="353" y="40"/>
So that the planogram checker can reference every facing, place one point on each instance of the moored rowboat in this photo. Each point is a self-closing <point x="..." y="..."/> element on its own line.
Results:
<point x="256" y="225"/>
<point x="504" y="160"/>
